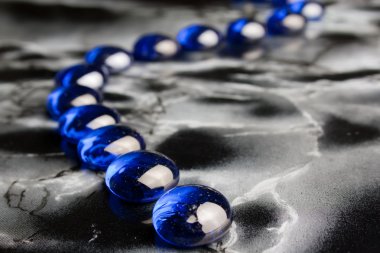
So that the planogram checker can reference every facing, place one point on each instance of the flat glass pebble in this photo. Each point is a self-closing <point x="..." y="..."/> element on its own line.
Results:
<point x="115" y="59"/>
<point x="283" y="22"/>
<point x="199" y="38"/>
<point x="141" y="176"/>
<point x="62" y="99"/>
<point x="312" y="11"/>
<point x="155" y="47"/>
<point x="102" y="146"/>
<point x="244" y="31"/>
<point x="80" y="121"/>
<point x="90" y="76"/>
<point x="192" y="215"/>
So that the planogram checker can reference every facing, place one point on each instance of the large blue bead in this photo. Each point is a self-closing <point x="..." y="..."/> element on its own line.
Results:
<point x="199" y="38"/>
<point x="283" y="22"/>
<point x="155" y="47"/>
<point x="192" y="215"/>
<point x="62" y="99"/>
<point x="312" y="11"/>
<point x="101" y="147"/>
<point x="141" y="176"/>
<point x="115" y="59"/>
<point x="80" y="121"/>
<point x="85" y="75"/>
<point x="244" y="31"/>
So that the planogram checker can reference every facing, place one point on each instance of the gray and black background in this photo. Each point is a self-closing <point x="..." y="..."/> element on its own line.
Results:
<point x="289" y="132"/>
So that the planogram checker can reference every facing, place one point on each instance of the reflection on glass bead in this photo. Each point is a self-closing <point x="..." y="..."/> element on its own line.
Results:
<point x="141" y="176"/>
<point x="312" y="11"/>
<point x="80" y="121"/>
<point x="155" y="47"/>
<point x="199" y="37"/>
<point x="62" y="99"/>
<point x="115" y="59"/>
<point x="192" y="215"/>
<point x="283" y="22"/>
<point x="102" y="146"/>
<point x="85" y="75"/>
<point x="244" y="31"/>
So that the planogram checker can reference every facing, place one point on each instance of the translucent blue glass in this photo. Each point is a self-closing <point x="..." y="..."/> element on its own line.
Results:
<point x="199" y="38"/>
<point x="155" y="47"/>
<point x="115" y="59"/>
<point x="80" y="121"/>
<point x="192" y="215"/>
<point x="62" y="99"/>
<point x="102" y="146"/>
<point x="85" y="75"/>
<point x="283" y="22"/>
<point x="141" y="176"/>
<point x="244" y="31"/>
<point x="312" y="11"/>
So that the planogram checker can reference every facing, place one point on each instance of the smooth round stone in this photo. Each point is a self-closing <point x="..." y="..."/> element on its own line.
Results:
<point x="312" y="11"/>
<point x="283" y="22"/>
<point x="199" y="38"/>
<point x="192" y="215"/>
<point x="115" y="59"/>
<point x="244" y="31"/>
<point x="80" y="121"/>
<point x="141" y="176"/>
<point x="102" y="146"/>
<point x="155" y="47"/>
<point x="62" y="99"/>
<point x="90" y="76"/>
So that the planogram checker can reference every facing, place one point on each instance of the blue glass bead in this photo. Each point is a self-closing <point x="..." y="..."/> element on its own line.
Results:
<point x="199" y="38"/>
<point x="115" y="59"/>
<point x="80" y="121"/>
<point x="312" y="11"/>
<point x="244" y="31"/>
<point x="192" y="215"/>
<point x="155" y="47"/>
<point x="85" y="75"/>
<point x="62" y="99"/>
<point x="102" y="146"/>
<point x="283" y="22"/>
<point x="141" y="176"/>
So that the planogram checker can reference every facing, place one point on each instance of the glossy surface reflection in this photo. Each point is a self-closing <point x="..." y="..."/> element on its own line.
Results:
<point x="80" y="121"/>
<point x="244" y="31"/>
<point x="284" y="22"/>
<point x="199" y="38"/>
<point x="141" y="176"/>
<point x="102" y="146"/>
<point x="155" y="47"/>
<point x="311" y="10"/>
<point x="192" y="215"/>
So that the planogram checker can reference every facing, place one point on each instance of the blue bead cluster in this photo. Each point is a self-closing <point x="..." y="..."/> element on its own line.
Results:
<point x="184" y="216"/>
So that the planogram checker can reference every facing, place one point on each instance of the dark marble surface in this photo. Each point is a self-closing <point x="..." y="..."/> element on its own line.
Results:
<point x="289" y="132"/>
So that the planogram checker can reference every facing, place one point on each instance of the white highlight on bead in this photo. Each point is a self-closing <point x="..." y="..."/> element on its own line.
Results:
<point x="294" y="22"/>
<point x="312" y="10"/>
<point x="85" y="99"/>
<point x="158" y="176"/>
<point x="253" y="31"/>
<point x="93" y="80"/>
<point x="119" y="60"/>
<point x="166" y="47"/>
<point x="211" y="216"/>
<point x="101" y="121"/>
<point x="123" y="145"/>
<point x="209" y="38"/>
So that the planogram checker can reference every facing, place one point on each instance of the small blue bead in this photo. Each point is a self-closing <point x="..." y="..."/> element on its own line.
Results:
<point x="312" y="11"/>
<point x="283" y="22"/>
<point x="199" y="38"/>
<point x="155" y="47"/>
<point x="115" y="59"/>
<point x="85" y="75"/>
<point x="192" y="215"/>
<point x="80" y="121"/>
<point x="101" y="147"/>
<point x="62" y="99"/>
<point x="244" y="31"/>
<point x="141" y="176"/>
